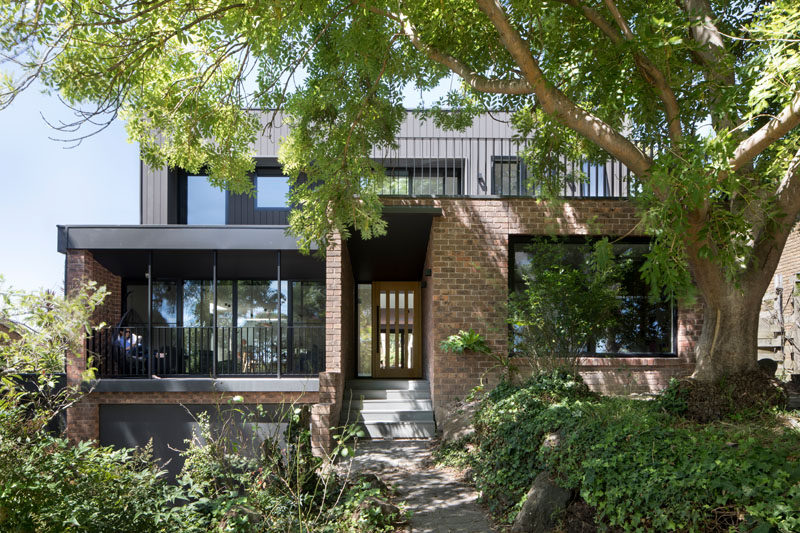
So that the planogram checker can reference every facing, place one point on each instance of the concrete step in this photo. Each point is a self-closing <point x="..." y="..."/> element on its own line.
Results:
<point x="388" y="394"/>
<point x="400" y="430"/>
<point x="396" y="416"/>
<point x="794" y="401"/>
<point x="391" y="405"/>
<point x="388" y="384"/>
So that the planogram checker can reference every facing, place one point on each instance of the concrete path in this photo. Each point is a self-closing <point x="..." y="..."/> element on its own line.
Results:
<point x="440" y="503"/>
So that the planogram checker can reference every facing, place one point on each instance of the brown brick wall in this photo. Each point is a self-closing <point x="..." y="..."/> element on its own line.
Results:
<point x="468" y="254"/>
<point x="83" y="418"/>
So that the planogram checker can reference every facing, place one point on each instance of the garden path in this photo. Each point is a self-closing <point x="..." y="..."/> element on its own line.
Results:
<point x="440" y="502"/>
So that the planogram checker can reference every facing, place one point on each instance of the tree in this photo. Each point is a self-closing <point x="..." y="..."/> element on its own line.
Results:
<point x="699" y="98"/>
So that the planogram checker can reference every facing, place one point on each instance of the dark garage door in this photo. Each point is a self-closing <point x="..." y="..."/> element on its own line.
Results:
<point x="170" y="425"/>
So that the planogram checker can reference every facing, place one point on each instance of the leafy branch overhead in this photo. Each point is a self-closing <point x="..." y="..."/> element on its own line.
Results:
<point x="698" y="98"/>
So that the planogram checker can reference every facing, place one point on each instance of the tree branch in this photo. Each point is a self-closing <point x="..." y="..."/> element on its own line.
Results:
<point x="476" y="81"/>
<point x="783" y="123"/>
<point x="557" y="104"/>
<point x="652" y="75"/>
<point x="712" y="55"/>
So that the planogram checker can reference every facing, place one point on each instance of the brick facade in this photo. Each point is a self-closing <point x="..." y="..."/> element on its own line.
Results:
<point x="83" y="419"/>
<point x="339" y="344"/>
<point x="468" y="254"/>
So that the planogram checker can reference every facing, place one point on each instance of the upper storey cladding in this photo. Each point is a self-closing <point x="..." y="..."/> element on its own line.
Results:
<point x="429" y="161"/>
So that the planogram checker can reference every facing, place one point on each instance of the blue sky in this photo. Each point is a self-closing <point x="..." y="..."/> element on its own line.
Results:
<point x="44" y="184"/>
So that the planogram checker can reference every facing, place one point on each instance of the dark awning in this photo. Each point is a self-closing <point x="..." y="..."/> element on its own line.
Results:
<point x="400" y="254"/>
<point x="174" y="237"/>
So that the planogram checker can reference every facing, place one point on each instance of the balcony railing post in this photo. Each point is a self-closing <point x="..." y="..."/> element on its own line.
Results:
<point x="214" y="317"/>
<point x="150" y="314"/>
<point x="280" y="319"/>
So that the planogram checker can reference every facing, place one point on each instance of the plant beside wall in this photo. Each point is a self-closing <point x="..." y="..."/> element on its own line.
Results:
<point x="637" y="466"/>
<point x="471" y="341"/>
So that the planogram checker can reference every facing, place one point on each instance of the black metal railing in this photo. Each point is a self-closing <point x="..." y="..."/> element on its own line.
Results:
<point x="139" y="351"/>
<point x="486" y="166"/>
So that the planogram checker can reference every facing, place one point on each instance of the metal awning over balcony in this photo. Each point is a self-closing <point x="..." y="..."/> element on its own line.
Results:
<point x="174" y="237"/>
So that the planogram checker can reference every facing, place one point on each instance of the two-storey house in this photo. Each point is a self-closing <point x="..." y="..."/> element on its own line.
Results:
<point x="210" y="298"/>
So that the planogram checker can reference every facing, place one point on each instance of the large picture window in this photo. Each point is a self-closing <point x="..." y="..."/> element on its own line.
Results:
<point x="642" y="326"/>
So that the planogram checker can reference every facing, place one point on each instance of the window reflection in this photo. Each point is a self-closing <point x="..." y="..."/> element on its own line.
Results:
<point x="205" y="204"/>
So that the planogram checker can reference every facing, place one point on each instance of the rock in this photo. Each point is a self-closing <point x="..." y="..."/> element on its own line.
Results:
<point x="456" y="423"/>
<point x="386" y="509"/>
<point x="552" y="440"/>
<point x="544" y="502"/>
<point x="374" y="482"/>
<point x="768" y="366"/>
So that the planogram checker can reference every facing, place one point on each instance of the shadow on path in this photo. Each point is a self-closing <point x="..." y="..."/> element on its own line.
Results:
<point x="440" y="503"/>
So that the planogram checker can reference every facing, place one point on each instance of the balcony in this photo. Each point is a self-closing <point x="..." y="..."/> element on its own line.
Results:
<point x="463" y="166"/>
<point x="165" y="351"/>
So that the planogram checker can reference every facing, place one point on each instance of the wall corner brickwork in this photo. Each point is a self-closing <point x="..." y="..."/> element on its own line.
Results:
<point x="83" y="422"/>
<point x="339" y="344"/>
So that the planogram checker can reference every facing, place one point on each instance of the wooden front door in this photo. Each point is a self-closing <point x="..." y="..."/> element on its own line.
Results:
<point x="396" y="326"/>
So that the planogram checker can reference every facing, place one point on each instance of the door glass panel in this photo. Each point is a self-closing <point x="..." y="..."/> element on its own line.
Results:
<point x="364" y="329"/>
<point x="409" y="348"/>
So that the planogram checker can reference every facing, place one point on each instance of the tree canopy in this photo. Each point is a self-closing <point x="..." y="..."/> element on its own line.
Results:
<point x="699" y="98"/>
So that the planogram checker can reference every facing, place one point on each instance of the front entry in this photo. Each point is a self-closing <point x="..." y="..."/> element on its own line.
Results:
<point x="396" y="326"/>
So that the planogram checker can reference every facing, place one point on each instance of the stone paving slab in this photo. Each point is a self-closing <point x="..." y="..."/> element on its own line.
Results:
<point x="439" y="501"/>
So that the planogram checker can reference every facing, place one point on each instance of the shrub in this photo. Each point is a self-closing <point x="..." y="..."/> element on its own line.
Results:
<point x="510" y="426"/>
<point x="640" y="467"/>
<point x="645" y="470"/>
<point x="566" y="301"/>
<point x="50" y="485"/>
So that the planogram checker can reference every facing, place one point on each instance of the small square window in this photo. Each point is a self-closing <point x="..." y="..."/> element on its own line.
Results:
<point x="272" y="192"/>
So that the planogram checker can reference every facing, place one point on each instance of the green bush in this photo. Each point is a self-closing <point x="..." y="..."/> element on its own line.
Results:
<point x="640" y="467"/>
<point x="645" y="470"/>
<point x="510" y="426"/>
<point x="50" y="485"/>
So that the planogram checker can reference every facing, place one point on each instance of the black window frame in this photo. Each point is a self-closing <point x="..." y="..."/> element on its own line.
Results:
<point x="522" y="176"/>
<point x="514" y="240"/>
<point x="423" y="169"/>
<point x="183" y="197"/>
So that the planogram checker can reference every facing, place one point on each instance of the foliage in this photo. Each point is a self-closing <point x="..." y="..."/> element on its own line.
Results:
<point x="43" y="327"/>
<point x="639" y="467"/>
<point x="642" y="469"/>
<point x="49" y="484"/>
<point x="186" y="75"/>
<point x="465" y="341"/>
<point x="566" y="302"/>
<point x="510" y="425"/>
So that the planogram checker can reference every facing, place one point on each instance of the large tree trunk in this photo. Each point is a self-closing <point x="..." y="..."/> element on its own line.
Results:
<point x="728" y="344"/>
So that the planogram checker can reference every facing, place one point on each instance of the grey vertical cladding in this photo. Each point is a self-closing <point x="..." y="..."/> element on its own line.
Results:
<point x="155" y="195"/>
<point x="242" y="210"/>
<point x="471" y="153"/>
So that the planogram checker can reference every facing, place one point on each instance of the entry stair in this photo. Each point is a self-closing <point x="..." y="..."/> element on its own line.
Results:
<point x="390" y="408"/>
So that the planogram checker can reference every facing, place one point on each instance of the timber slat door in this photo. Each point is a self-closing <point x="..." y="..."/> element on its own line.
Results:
<point x="397" y="328"/>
